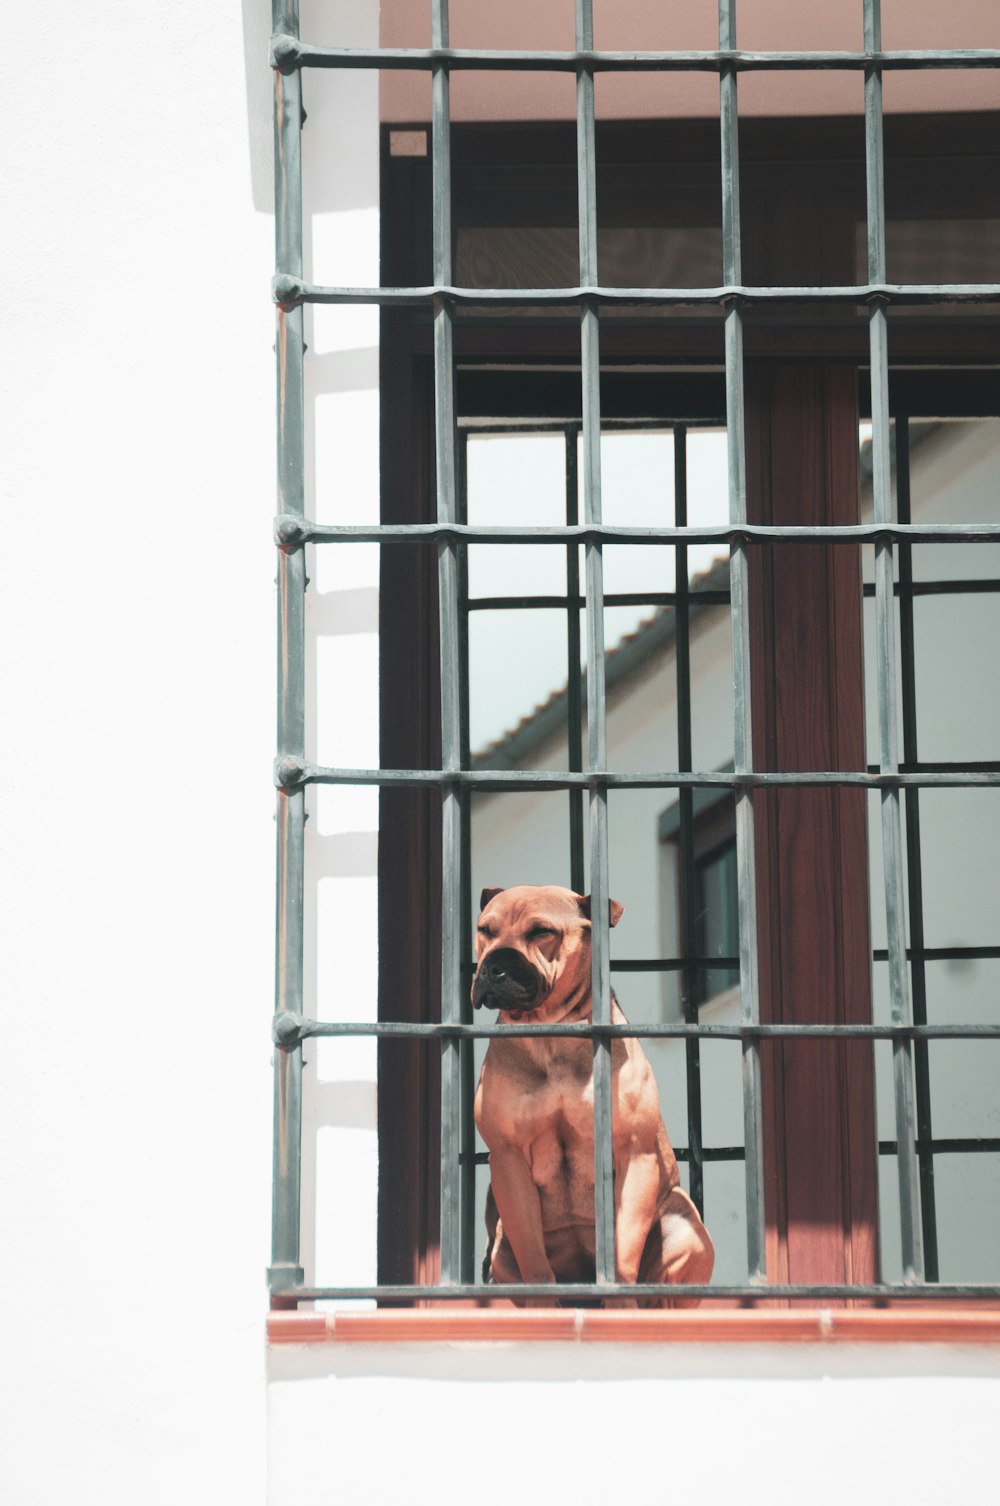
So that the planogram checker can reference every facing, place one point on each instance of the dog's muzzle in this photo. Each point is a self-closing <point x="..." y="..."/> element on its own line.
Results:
<point x="505" y="979"/>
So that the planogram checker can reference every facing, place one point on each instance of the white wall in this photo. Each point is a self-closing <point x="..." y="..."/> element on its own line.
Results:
<point x="340" y="183"/>
<point x="138" y="708"/>
<point x="538" y="1423"/>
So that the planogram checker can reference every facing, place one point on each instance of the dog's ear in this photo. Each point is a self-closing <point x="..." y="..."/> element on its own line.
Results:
<point x="486" y="896"/>
<point x="615" y="910"/>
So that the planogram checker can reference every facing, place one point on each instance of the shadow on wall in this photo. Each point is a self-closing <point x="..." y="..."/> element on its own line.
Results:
<point x="260" y="131"/>
<point x="341" y="23"/>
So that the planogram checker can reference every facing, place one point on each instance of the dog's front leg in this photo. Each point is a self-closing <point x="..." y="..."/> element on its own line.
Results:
<point x="637" y="1188"/>
<point x="521" y="1216"/>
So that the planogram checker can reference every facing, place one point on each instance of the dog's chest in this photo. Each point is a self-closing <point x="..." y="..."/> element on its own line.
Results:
<point x="555" y="1110"/>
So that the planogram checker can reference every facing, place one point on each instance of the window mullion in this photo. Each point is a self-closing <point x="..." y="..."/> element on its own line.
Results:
<point x="690" y="994"/>
<point x="892" y="848"/>
<point x="914" y="875"/>
<point x="574" y="675"/>
<point x="448" y="630"/>
<point x="740" y="607"/>
<point x="597" y="747"/>
<point x="468" y="1220"/>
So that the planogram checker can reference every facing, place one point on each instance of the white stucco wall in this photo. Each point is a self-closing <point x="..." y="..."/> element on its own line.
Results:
<point x="615" y="1423"/>
<point x="138" y="710"/>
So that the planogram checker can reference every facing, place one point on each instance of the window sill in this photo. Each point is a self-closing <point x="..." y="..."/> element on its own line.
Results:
<point x="966" y="1325"/>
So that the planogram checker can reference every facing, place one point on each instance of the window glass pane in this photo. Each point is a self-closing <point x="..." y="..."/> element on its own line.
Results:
<point x="717" y="932"/>
<point x="967" y="1195"/>
<point x="517" y="657"/>
<point x="942" y="223"/>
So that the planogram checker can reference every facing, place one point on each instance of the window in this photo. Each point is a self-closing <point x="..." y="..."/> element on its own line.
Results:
<point x="710" y="895"/>
<point x="786" y="341"/>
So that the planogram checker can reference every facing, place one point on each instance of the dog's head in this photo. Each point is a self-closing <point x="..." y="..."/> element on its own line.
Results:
<point x="533" y="949"/>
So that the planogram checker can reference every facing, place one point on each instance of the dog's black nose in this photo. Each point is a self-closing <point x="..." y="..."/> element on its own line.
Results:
<point x="506" y="980"/>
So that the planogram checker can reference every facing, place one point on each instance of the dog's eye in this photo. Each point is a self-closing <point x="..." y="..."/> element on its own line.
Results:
<point x="537" y="932"/>
<point x="486" y="931"/>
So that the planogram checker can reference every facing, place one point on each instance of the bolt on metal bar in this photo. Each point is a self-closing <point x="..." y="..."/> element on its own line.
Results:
<point x="597" y="748"/>
<point x="740" y="596"/>
<point x="285" y="1269"/>
<point x="574" y="670"/>
<point x="288" y="52"/>
<point x="914" y="874"/>
<point x="909" y="1192"/>
<point x="448" y="629"/>
<point x="689" y="974"/>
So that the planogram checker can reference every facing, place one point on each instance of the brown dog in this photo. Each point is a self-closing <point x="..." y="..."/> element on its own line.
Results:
<point x="535" y="1111"/>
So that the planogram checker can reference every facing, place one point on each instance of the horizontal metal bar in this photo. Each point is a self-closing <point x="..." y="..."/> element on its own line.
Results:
<point x="730" y="1153"/>
<point x="292" y="532"/>
<point x="288" y="53"/>
<point x="926" y="766"/>
<point x="726" y="964"/>
<point x="673" y="964"/>
<point x="477" y="427"/>
<point x="980" y="587"/>
<point x="947" y="1147"/>
<point x="289" y="1029"/>
<point x="288" y="291"/>
<point x="632" y="965"/>
<point x="290" y="772"/>
<point x="942" y="953"/>
<point x="611" y="599"/>
<point x="681" y="1152"/>
<point x="587" y="1290"/>
<point x="719" y="598"/>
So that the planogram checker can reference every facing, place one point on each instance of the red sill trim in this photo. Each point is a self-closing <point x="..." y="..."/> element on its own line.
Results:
<point x="825" y="1325"/>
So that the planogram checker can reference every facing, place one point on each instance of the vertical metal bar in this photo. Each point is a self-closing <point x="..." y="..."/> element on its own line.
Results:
<point x="914" y="873"/>
<point x="468" y="1086"/>
<point x="451" y="751"/>
<point x="886" y="660"/>
<point x="740" y="606"/>
<point x="597" y="748"/>
<point x="574" y="673"/>
<point x="285" y="1269"/>
<point x="690" y="999"/>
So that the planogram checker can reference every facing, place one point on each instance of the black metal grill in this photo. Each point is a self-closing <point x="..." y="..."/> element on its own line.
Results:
<point x="897" y="778"/>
